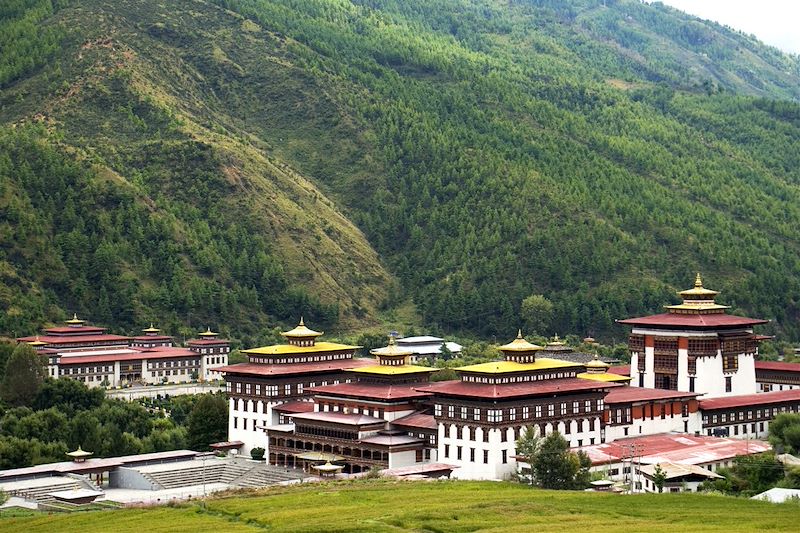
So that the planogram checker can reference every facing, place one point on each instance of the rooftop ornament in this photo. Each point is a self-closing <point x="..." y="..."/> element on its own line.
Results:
<point x="75" y="321"/>
<point x="207" y="334"/>
<point x="79" y="455"/>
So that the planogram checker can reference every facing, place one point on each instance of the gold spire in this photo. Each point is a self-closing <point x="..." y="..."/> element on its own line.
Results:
<point x="301" y="331"/>
<point x="596" y="366"/>
<point x="519" y="345"/>
<point x="75" y="321"/>
<point x="38" y="342"/>
<point x="208" y="333"/>
<point x="391" y="350"/>
<point x="698" y="281"/>
<point x="151" y="329"/>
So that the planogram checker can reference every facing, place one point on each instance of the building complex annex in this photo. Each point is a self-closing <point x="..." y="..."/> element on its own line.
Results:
<point x="96" y="358"/>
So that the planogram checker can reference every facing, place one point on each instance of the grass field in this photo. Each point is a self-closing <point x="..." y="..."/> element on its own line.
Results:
<point x="368" y="506"/>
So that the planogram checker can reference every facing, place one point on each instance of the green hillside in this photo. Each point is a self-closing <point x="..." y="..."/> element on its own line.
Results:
<point x="229" y="153"/>
<point x="438" y="506"/>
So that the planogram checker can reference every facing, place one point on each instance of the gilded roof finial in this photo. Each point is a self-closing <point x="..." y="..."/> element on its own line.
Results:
<point x="698" y="282"/>
<point x="519" y="333"/>
<point x="301" y="321"/>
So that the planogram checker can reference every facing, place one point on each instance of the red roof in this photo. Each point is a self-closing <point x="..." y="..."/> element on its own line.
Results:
<point x="621" y="370"/>
<point x="207" y="342"/>
<point x="371" y="391"/>
<point x="417" y="421"/>
<point x="74" y="330"/>
<point x="715" y="320"/>
<point x="514" y="390"/>
<point x="153" y="338"/>
<point x="745" y="400"/>
<point x="76" y="339"/>
<point x="295" y="407"/>
<point x="162" y="352"/>
<point x="674" y="447"/>
<point x="640" y="394"/>
<point x="257" y="369"/>
<point x="779" y="366"/>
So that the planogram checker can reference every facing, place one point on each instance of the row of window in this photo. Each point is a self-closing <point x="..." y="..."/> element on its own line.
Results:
<point x="172" y="364"/>
<point x="287" y="389"/>
<point x="470" y="433"/>
<point x="512" y="414"/>
<point x="484" y="454"/>
<point x="748" y="415"/>
<point x="518" y="379"/>
<point x="73" y="370"/>
<point x="300" y="359"/>
<point x="253" y="423"/>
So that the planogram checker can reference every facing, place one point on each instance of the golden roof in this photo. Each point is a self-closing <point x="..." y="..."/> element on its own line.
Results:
<point x="699" y="290"/>
<point x="208" y="333"/>
<point x="596" y="363"/>
<point x="604" y="377"/>
<point x="37" y="342"/>
<point x="388" y="370"/>
<point x="301" y="331"/>
<point x="555" y="341"/>
<point x="75" y="321"/>
<point x="151" y="329"/>
<point x="391" y="350"/>
<point x="507" y="367"/>
<point x="79" y="453"/>
<point x="519" y="345"/>
<point x="698" y="298"/>
<point x="291" y="349"/>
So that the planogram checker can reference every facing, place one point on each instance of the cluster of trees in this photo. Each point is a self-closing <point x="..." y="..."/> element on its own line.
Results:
<point x="552" y="465"/>
<point x="42" y="418"/>
<point x="77" y="238"/>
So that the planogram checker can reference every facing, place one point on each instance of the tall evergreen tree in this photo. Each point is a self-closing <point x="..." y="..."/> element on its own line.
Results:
<point x="25" y="373"/>
<point x="208" y="422"/>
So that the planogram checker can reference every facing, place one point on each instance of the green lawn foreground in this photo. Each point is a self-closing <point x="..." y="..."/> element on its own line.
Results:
<point x="380" y="505"/>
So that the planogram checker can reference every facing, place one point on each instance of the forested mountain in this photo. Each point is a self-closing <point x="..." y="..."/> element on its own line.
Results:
<point x="218" y="160"/>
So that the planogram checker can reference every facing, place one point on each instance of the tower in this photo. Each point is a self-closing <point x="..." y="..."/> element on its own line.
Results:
<point x="696" y="346"/>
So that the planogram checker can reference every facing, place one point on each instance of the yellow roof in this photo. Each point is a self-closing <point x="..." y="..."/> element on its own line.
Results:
<point x="301" y="331"/>
<point x="151" y="329"/>
<point x="504" y="367"/>
<point x="388" y="370"/>
<point x="37" y="342"/>
<point x="75" y="320"/>
<point x="290" y="349"/>
<point x="597" y="363"/>
<point x="699" y="290"/>
<point x="80" y="453"/>
<point x="208" y="333"/>
<point x="604" y="376"/>
<point x="392" y="350"/>
<point x="519" y="345"/>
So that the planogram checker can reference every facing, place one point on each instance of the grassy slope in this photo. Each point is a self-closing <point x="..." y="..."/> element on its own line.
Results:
<point x="142" y="87"/>
<point x="447" y="506"/>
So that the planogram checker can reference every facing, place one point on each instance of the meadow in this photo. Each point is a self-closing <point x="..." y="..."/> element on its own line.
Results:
<point x="381" y="505"/>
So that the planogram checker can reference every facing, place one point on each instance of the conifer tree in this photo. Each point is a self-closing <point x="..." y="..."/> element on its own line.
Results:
<point x="24" y="376"/>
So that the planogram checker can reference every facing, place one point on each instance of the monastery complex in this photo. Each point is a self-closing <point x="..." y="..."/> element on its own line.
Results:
<point x="694" y="382"/>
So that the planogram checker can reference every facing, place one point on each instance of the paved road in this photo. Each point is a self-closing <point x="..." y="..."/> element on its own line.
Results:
<point x="153" y="390"/>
